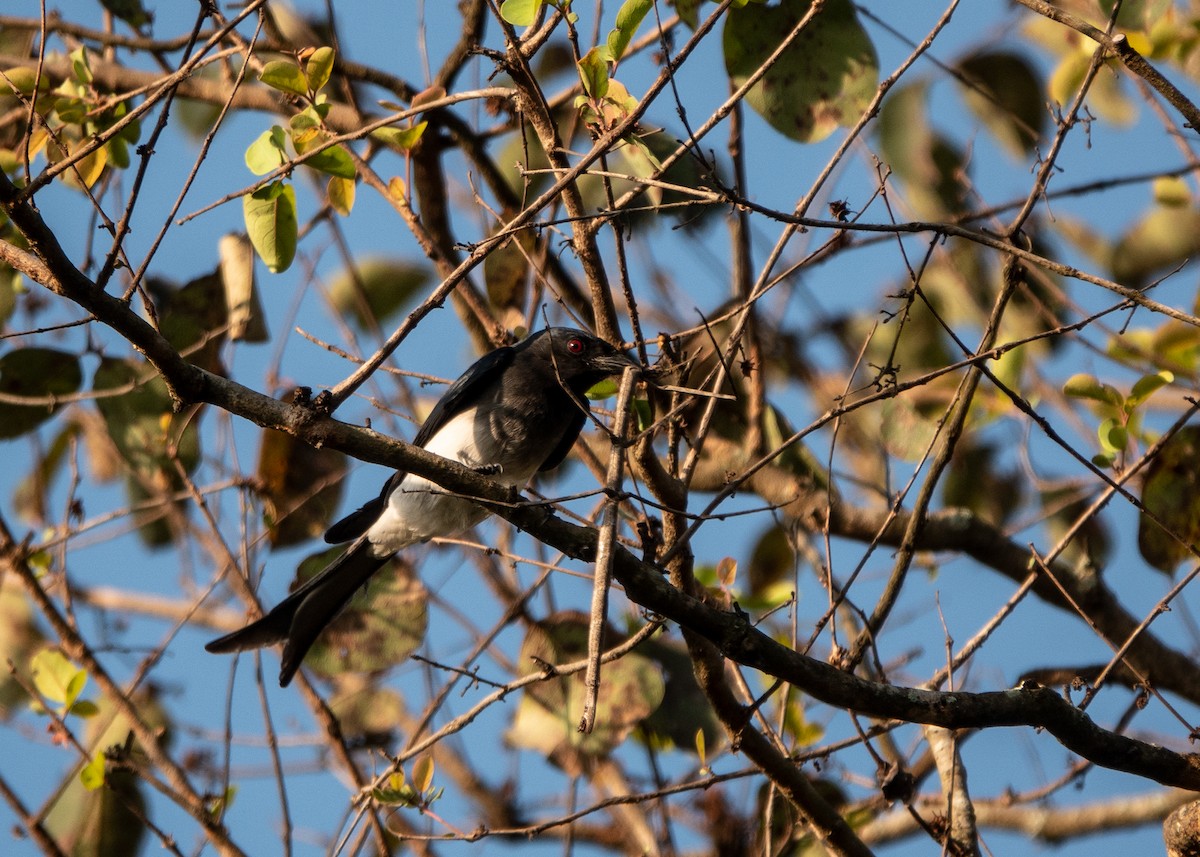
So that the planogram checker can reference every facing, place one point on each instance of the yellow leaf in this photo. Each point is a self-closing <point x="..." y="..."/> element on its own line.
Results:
<point x="1140" y="42"/>
<point x="92" y="775"/>
<point x="86" y="170"/>
<point x="423" y="774"/>
<point x="341" y="194"/>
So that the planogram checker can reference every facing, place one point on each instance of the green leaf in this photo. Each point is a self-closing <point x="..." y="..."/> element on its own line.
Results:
<point x="23" y="79"/>
<point x="270" y="215"/>
<point x="194" y="318"/>
<point x="55" y="677"/>
<point x="379" y="629"/>
<point x="307" y="137"/>
<point x="593" y="71"/>
<point x="548" y="715"/>
<point x="400" y="139"/>
<point x="629" y="18"/>
<point x="1113" y="435"/>
<point x="1165" y="237"/>
<point x="1084" y="386"/>
<point x="645" y="151"/>
<point x="267" y="153"/>
<point x="1172" y="192"/>
<point x="1136" y="14"/>
<point x="286" y="473"/>
<point x="1145" y="387"/>
<point x="1006" y="94"/>
<point x="318" y="68"/>
<point x="84" y="708"/>
<point x="369" y="715"/>
<point x="131" y="132"/>
<point x="689" y="11"/>
<point x="130" y="11"/>
<point x="932" y="168"/>
<point x="75" y="687"/>
<point x="605" y="389"/>
<point x="376" y="288"/>
<point x="137" y="420"/>
<point x="1174" y="346"/>
<point x="907" y="434"/>
<point x="1106" y="97"/>
<point x="310" y="117"/>
<point x="139" y="417"/>
<point x="80" y="69"/>
<point x="506" y="274"/>
<point x="20" y="637"/>
<point x="825" y="78"/>
<point x="642" y="157"/>
<point x="284" y="76"/>
<point x="643" y="413"/>
<point x="334" y="161"/>
<point x="1171" y="492"/>
<point x="70" y="110"/>
<point x="109" y="821"/>
<point x="397" y="792"/>
<point x="685" y="711"/>
<point x="769" y="573"/>
<point x="36" y="373"/>
<point x="520" y="13"/>
<point x="92" y="775"/>
<point x="118" y="153"/>
<point x="218" y="805"/>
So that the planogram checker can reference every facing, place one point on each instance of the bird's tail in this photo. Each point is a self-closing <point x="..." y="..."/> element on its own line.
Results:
<point x="300" y="618"/>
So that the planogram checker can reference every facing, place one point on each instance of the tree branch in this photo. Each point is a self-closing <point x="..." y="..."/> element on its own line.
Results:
<point x="644" y="584"/>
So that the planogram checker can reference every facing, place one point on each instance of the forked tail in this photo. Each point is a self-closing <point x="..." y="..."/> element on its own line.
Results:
<point x="301" y="617"/>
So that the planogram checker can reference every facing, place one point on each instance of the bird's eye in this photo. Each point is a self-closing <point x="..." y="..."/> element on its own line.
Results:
<point x="575" y="345"/>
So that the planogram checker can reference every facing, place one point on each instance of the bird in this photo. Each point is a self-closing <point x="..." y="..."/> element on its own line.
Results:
<point x="515" y="412"/>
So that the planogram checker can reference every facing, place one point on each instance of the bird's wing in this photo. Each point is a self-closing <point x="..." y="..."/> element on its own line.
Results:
<point x="359" y="521"/>
<point x="466" y="391"/>
<point x="567" y="441"/>
<point x="462" y="394"/>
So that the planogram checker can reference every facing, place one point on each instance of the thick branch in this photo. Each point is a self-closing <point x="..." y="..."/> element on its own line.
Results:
<point x="959" y="530"/>
<point x="1040" y="822"/>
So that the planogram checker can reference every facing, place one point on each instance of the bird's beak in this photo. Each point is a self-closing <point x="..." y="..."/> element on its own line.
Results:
<point x="619" y="361"/>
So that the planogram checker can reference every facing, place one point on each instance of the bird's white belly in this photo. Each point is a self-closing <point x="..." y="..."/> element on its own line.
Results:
<point x="418" y="510"/>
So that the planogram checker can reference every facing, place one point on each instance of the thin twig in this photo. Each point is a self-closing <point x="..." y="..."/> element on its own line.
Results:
<point x="604" y="547"/>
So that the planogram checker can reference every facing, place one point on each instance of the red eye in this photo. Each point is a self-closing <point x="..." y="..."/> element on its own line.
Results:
<point x="575" y="345"/>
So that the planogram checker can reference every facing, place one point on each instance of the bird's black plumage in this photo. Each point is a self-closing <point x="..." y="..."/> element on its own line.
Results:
<point x="515" y="411"/>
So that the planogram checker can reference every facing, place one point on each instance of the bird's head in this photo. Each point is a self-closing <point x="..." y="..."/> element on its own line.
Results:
<point x="576" y="358"/>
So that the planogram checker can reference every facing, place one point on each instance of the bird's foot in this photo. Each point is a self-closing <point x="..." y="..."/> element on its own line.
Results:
<point x="489" y="469"/>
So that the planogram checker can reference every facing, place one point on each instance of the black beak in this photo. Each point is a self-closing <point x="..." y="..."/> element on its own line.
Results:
<point x="617" y="362"/>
